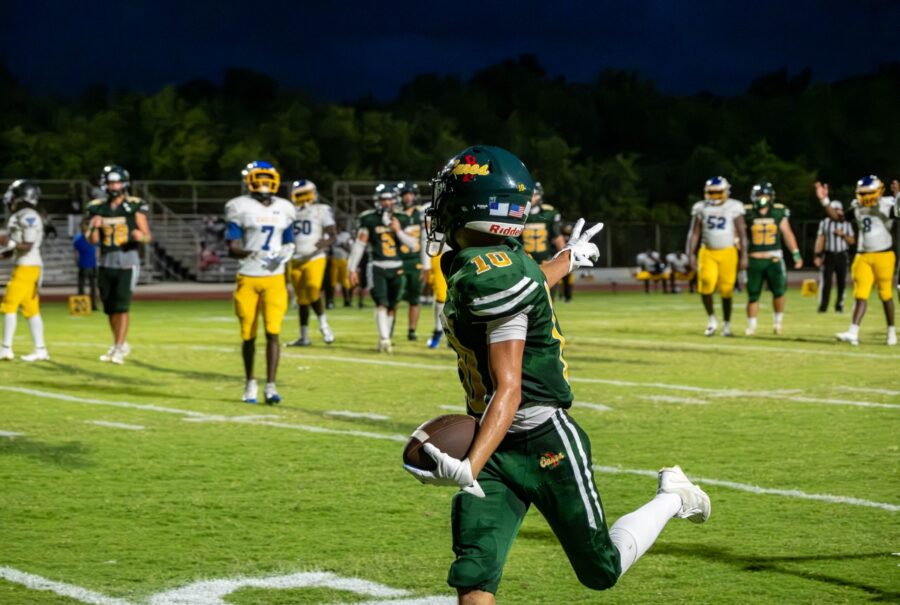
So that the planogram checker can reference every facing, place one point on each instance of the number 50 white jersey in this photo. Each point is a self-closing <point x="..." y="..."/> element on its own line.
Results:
<point x="309" y="227"/>
<point x="718" y="222"/>
<point x="261" y="228"/>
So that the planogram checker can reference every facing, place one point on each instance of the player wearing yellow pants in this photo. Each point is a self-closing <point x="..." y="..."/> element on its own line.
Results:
<point x="718" y="223"/>
<point x="306" y="278"/>
<point x="26" y="233"/>
<point x="439" y="289"/>
<point x="260" y="234"/>
<point x="255" y="295"/>
<point x="875" y="259"/>
<point x="340" y="274"/>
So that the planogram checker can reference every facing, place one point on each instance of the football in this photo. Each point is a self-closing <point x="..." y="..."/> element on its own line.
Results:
<point x="451" y="433"/>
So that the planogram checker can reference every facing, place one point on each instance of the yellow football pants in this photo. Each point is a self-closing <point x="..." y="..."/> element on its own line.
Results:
<point x="22" y="291"/>
<point x="437" y="280"/>
<point x="871" y="268"/>
<point x="717" y="269"/>
<point x="255" y="294"/>
<point x="340" y="274"/>
<point x="307" y="277"/>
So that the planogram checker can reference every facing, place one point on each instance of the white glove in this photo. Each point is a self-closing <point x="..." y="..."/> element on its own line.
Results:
<point x="271" y="261"/>
<point x="449" y="471"/>
<point x="582" y="253"/>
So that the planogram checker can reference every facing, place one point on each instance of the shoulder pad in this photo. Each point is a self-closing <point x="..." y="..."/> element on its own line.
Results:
<point x="777" y="205"/>
<point x="132" y="199"/>
<point x="96" y="202"/>
<point x="547" y="207"/>
<point x="366" y="213"/>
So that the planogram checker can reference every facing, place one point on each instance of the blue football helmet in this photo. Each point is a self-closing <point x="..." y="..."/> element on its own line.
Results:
<point x="869" y="190"/>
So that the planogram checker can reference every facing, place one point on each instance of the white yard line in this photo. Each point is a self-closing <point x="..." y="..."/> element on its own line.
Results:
<point x="348" y="414"/>
<point x="868" y="390"/>
<point x="712" y="346"/>
<point x="115" y="404"/>
<point x="116" y="425"/>
<point x="671" y="399"/>
<point x="61" y="588"/>
<point x="11" y="434"/>
<point x="374" y="362"/>
<point x="755" y="489"/>
<point x="598" y="407"/>
<point x="454" y="408"/>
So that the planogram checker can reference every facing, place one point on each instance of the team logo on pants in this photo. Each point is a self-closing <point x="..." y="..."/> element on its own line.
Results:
<point x="552" y="460"/>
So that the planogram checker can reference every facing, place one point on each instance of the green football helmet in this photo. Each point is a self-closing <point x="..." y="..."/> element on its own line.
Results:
<point x="113" y="173"/>
<point x="762" y="195"/>
<point x="482" y="188"/>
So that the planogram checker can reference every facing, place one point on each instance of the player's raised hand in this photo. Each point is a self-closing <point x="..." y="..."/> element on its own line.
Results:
<point x="354" y="279"/>
<point x="821" y="190"/>
<point x="582" y="253"/>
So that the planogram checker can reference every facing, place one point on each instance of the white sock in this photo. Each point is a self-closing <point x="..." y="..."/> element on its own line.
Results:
<point x="383" y="322"/>
<point x="438" y="309"/>
<point x="37" y="331"/>
<point x="712" y="320"/>
<point x="270" y="387"/>
<point x="636" y="532"/>
<point x="779" y="317"/>
<point x="9" y="329"/>
<point x="751" y="322"/>
<point x="304" y="332"/>
<point x="892" y="331"/>
<point x="726" y="325"/>
<point x="323" y="322"/>
<point x="853" y="329"/>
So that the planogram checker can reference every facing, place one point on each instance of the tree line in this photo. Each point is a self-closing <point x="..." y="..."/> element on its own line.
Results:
<point x="616" y="147"/>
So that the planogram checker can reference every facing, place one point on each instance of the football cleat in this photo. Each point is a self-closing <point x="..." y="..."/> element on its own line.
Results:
<point x="726" y="330"/>
<point x="118" y="356"/>
<point x="711" y="328"/>
<point x="435" y="340"/>
<point x="411" y="336"/>
<point x="272" y="396"/>
<point x="109" y="353"/>
<point x="385" y="346"/>
<point x="750" y="331"/>
<point x="892" y="339"/>
<point x="778" y="330"/>
<point x="37" y="355"/>
<point x="300" y="342"/>
<point x="695" y="504"/>
<point x="6" y="354"/>
<point x="327" y="335"/>
<point x="853" y="339"/>
<point x="250" y="391"/>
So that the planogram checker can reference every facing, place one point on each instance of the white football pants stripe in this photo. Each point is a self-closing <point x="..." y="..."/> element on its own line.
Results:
<point x="578" y="474"/>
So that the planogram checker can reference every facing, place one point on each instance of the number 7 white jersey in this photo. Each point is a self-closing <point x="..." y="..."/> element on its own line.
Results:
<point x="875" y="223"/>
<point x="718" y="222"/>
<point x="261" y="228"/>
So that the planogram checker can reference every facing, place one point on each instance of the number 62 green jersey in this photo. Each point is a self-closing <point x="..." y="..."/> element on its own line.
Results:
<point x="487" y="285"/>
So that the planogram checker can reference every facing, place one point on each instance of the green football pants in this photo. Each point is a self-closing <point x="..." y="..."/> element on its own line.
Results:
<point x="769" y="270"/>
<point x="550" y="467"/>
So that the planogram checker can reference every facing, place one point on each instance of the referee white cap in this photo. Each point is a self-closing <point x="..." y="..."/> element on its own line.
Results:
<point x="837" y="205"/>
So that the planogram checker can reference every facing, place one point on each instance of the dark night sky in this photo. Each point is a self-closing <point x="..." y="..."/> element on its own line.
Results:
<point x="341" y="50"/>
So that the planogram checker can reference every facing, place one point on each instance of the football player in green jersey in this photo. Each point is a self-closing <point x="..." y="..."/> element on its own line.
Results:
<point x="382" y="231"/>
<point x="499" y="319"/>
<point x="412" y="255"/>
<point x="119" y="224"/>
<point x="542" y="235"/>
<point x="767" y="222"/>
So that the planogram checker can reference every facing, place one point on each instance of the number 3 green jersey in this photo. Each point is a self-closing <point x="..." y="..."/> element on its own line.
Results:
<point x="765" y="236"/>
<point x="489" y="284"/>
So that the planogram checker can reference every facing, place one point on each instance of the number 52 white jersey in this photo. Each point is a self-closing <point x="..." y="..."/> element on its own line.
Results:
<point x="261" y="228"/>
<point x="718" y="222"/>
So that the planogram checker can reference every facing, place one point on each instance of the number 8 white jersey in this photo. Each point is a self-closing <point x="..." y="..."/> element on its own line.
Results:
<point x="261" y="228"/>
<point x="875" y="223"/>
<point x="718" y="222"/>
<point x="312" y="219"/>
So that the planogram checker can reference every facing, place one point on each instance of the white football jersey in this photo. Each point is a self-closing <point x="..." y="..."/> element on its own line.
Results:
<point x="338" y="252"/>
<point x="718" y="222"/>
<point x="875" y="223"/>
<point x="678" y="261"/>
<point x="260" y="227"/>
<point x="309" y="228"/>
<point x="25" y="226"/>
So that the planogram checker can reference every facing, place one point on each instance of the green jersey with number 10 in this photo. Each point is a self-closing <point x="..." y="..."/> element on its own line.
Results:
<point x="493" y="283"/>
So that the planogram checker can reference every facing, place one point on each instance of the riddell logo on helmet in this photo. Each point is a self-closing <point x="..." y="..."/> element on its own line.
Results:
<point x="513" y="230"/>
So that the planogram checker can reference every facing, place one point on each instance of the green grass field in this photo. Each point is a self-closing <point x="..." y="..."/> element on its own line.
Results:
<point x="215" y="489"/>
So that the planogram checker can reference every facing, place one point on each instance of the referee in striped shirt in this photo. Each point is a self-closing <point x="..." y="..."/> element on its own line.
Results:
<point x="832" y="257"/>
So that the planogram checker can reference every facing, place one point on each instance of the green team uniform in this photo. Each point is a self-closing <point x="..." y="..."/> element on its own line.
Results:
<point x="412" y="259"/>
<point x="385" y="262"/>
<point x="541" y="228"/>
<point x="545" y="462"/>
<point x="765" y="236"/>
<point x="120" y="260"/>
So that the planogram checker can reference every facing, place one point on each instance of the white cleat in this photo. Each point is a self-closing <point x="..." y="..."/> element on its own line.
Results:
<point x="853" y="339"/>
<point x="385" y="346"/>
<point x="300" y="342"/>
<point x="327" y="335"/>
<point x="271" y="394"/>
<point x="122" y="351"/>
<point x="726" y="330"/>
<point x="6" y="354"/>
<point x="109" y="354"/>
<point x="38" y="355"/>
<point x="711" y="329"/>
<point x="778" y="330"/>
<point x="750" y="331"/>
<point x="118" y="356"/>
<point x="892" y="339"/>
<point x="694" y="502"/>
<point x="250" y="392"/>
